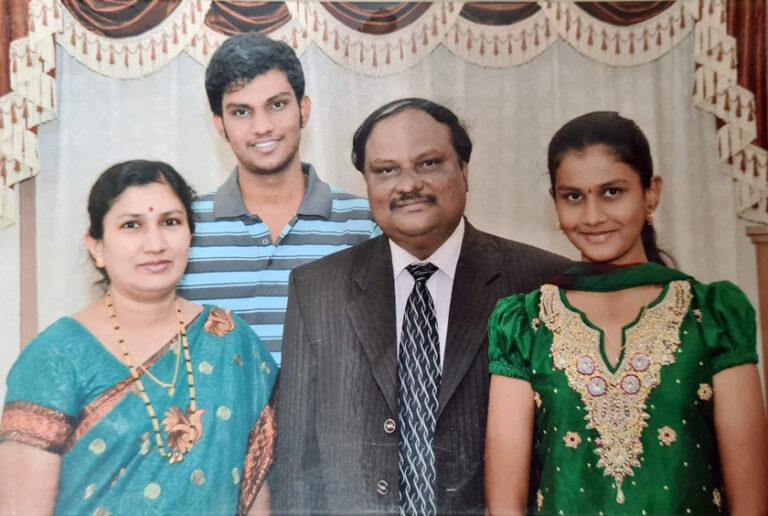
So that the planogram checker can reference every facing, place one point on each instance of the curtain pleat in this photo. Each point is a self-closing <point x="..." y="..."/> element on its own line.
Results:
<point x="236" y="17"/>
<point x="498" y="13"/>
<point x="376" y="18"/>
<point x="120" y="18"/>
<point x="624" y="13"/>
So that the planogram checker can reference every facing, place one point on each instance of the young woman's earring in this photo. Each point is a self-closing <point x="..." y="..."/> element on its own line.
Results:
<point x="649" y="218"/>
<point x="99" y="263"/>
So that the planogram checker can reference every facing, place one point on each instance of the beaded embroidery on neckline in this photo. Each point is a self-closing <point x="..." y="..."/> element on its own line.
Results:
<point x="615" y="402"/>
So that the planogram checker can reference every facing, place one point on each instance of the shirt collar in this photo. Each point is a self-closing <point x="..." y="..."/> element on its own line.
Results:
<point x="228" y="202"/>
<point x="317" y="201"/>
<point x="446" y="257"/>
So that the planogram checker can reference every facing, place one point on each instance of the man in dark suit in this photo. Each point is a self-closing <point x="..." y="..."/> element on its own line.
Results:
<point x="384" y="382"/>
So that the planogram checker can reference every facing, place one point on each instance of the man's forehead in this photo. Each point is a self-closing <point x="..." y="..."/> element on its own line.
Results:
<point x="412" y="132"/>
<point x="272" y="77"/>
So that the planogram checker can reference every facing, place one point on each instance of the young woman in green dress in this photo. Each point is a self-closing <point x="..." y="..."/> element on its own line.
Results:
<point x="629" y="386"/>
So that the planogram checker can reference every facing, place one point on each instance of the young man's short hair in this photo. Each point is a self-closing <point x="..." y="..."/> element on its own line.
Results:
<point x="242" y="58"/>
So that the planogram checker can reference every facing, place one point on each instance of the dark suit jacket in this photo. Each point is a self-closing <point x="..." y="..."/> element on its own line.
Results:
<point x="338" y="385"/>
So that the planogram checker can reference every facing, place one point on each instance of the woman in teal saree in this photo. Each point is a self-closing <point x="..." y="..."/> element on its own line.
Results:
<point x="141" y="403"/>
<point x="630" y="386"/>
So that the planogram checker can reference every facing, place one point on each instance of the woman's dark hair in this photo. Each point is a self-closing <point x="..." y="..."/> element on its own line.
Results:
<point x="242" y="58"/>
<point x="624" y="140"/>
<point x="119" y="177"/>
<point x="460" y="139"/>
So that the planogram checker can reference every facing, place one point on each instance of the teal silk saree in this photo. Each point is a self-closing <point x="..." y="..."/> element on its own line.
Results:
<point x="68" y="395"/>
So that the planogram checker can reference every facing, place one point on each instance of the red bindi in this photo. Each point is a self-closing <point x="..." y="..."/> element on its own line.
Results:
<point x="151" y="209"/>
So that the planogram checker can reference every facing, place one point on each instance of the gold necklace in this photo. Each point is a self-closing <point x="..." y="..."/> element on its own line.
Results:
<point x="176" y="347"/>
<point x="182" y="431"/>
<point x="605" y="331"/>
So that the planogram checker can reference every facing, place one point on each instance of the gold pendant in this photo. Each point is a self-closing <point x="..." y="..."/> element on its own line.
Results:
<point x="182" y="431"/>
<point x="171" y="391"/>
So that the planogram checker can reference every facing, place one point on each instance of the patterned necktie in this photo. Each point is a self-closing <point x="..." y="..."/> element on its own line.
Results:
<point x="418" y="376"/>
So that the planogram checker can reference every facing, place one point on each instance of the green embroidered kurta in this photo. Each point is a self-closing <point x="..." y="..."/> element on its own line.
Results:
<point x="638" y="438"/>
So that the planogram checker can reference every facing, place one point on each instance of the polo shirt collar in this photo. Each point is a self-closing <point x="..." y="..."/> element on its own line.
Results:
<point x="228" y="202"/>
<point x="317" y="201"/>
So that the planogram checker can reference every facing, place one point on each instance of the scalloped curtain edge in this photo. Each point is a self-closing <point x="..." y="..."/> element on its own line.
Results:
<point x="32" y="100"/>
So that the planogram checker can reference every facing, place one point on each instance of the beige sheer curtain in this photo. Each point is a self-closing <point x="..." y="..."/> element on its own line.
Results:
<point x="511" y="114"/>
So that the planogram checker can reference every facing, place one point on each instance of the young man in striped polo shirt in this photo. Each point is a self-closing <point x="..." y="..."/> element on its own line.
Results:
<point x="273" y="213"/>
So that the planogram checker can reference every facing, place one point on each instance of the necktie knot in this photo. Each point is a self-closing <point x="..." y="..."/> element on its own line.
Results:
<point x="421" y="272"/>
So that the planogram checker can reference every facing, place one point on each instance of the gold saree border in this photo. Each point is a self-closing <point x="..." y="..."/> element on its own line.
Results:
<point x="258" y="458"/>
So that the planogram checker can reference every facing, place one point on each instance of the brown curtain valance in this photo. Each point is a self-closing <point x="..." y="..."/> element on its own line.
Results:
<point x="498" y="13"/>
<point x="624" y="13"/>
<point x="124" y="18"/>
<point x="376" y="18"/>
<point x="120" y="18"/>
<point x="239" y="16"/>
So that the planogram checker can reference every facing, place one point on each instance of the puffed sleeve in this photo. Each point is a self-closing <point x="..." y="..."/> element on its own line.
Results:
<point x="729" y="326"/>
<point x="510" y="338"/>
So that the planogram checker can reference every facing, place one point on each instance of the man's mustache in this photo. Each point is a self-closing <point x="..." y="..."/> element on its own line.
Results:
<point x="414" y="196"/>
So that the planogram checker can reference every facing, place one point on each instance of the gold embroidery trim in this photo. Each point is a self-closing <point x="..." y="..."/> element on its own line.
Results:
<point x="219" y="323"/>
<point x="37" y="426"/>
<point x="258" y="458"/>
<point x="615" y="402"/>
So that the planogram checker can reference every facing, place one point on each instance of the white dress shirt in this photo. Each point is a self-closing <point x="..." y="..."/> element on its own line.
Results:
<point x="440" y="284"/>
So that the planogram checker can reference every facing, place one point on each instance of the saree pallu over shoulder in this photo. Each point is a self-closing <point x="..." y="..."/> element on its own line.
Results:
<point x="50" y="430"/>
<point x="87" y="408"/>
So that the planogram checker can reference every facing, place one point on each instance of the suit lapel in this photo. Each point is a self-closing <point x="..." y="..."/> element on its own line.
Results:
<point x="372" y="313"/>
<point x="468" y="317"/>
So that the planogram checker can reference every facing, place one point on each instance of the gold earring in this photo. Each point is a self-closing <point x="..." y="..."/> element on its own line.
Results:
<point x="99" y="263"/>
<point x="649" y="218"/>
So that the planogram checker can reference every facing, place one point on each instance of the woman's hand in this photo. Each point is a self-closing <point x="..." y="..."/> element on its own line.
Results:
<point x="508" y="446"/>
<point x="742" y="438"/>
<point x="29" y="480"/>
<point x="262" y="502"/>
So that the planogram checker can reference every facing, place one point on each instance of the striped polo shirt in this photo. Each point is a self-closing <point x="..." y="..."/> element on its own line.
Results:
<point x="233" y="262"/>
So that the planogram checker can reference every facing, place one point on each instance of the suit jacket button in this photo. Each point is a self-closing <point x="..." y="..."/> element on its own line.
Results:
<point x="382" y="487"/>
<point x="389" y="426"/>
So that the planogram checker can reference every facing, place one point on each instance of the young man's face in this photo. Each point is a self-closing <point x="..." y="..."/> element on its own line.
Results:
<point x="262" y="123"/>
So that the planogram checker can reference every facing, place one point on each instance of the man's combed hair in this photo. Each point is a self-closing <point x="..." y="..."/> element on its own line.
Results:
<point x="242" y="58"/>
<point x="460" y="139"/>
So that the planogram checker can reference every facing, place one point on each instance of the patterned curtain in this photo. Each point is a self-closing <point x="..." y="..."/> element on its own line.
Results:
<point x="120" y="19"/>
<point x="134" y="38"/>
<point x="746" y="23"/>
